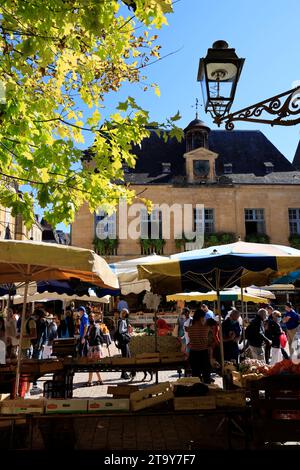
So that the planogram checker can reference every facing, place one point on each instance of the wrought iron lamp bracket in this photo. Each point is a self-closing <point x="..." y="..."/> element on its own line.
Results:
<point x="286" y="108"/>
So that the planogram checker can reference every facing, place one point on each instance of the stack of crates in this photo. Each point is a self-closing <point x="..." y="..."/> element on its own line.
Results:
<point x="60" y="387"/>
<point x="63" y="347"/>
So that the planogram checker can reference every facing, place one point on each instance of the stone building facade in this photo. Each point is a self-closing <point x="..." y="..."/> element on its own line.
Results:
<point x="248" y="188"/>
<point x="13" y="228"/>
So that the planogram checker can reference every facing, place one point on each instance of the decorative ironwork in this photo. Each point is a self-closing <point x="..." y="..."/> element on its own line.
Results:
<point x="285" y="106"/>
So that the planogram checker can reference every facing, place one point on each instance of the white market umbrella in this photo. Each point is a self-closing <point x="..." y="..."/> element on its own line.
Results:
<point x="27" y="261"/>
<point x="127" y="274"/>
<point x="46" y="296"/>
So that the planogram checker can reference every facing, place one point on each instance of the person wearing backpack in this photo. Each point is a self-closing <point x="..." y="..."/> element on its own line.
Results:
<point x="291" y="321"/>
<point x="42" y="334"/>
<point x="95" y="340"/>
<point x="122" y="337"/>
<point x="29" y="335"/>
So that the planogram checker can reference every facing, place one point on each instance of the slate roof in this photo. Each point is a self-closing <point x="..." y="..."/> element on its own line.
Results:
<point x="287" y="177"/>
<point x="296" y="161"/>
<point x="247" y="151"/>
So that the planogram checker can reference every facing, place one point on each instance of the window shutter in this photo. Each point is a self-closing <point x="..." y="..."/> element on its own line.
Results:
<point x="199" y="220"/>
<point x="144" y="223"/>
<point x="112" y="225"/>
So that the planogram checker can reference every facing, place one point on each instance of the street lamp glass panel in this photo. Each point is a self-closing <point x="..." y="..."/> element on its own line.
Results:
<point x="219" y="73"/>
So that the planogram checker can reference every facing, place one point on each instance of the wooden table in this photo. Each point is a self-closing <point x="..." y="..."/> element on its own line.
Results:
<point x="143" y="430"/>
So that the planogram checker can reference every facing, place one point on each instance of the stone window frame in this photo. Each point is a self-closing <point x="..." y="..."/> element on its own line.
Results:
<point x="256" y="215"/>
<point x="209" y="220"/>
<point x="294" y="220"/>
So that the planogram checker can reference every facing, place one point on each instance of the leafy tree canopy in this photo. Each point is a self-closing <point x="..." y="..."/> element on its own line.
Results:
<point x="57" y="56"/>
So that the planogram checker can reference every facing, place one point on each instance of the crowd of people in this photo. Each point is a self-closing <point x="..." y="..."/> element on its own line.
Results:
<point x="41" y="328"/>
<point x="266" y="337"/>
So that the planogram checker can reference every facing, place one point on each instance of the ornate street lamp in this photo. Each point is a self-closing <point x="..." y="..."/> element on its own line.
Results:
<point x="219" y="73"/>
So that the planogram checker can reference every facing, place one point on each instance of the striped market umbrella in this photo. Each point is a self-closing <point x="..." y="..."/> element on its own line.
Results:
<point x="219" y="267"/>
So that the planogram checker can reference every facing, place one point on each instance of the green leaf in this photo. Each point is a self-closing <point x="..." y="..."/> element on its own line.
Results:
<point x="176" y="117"/>
<point x="122" y="106"/>
<point x="61" y="62"/>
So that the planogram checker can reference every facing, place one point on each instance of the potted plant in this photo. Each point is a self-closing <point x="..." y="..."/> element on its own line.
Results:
<point x="257" y="238"/>
<point x="294" y="240"/>
<point x="219" y="238"/>
<point x="152" y="245"/>
<point x="106" y="246"/>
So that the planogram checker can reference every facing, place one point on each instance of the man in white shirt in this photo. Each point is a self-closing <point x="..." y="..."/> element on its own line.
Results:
<point x="186" y="324"/>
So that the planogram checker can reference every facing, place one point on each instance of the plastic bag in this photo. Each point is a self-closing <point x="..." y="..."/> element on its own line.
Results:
<point x="283" y="340"/>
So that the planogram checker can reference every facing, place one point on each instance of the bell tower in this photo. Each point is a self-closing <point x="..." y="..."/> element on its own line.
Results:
<point x="196" y="133"/>
<point x="200" y="161"/>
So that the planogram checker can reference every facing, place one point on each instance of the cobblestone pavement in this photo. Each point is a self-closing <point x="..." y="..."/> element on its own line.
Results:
<point x="111" y="378"/>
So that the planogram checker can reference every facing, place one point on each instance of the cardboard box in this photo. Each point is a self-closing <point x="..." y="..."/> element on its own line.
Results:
<point x="108" y="404"/>
<point x="23" y="406"/>
<point x="195" y="403"/>
<point x="66" y="406"/>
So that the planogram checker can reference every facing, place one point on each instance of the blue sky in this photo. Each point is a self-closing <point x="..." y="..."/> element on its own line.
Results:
<point x="266" y="33"/>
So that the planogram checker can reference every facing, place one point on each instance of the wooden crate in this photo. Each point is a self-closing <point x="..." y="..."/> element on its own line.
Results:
<point x="122" y="391"/>
<point x="82" y="360"/>
<point x="172" y="357"/>
<point x="237" y="379"/>
<point x="23" y="406"/>
<point x="150" y="396"/>
<point x="64" y="347"/>
<point x="30" y="366"/>
<point x="213" y="388"/>
<point x="106" y="360"/>
<point x="4" y="396"/>
<point x="231" y="399"/>
<point x="123" y="361"/>
<point x="147" y="358"/>
<point x="187" y="381"/>
<point x="47" y="367"/>
<point x="195" y="403"/>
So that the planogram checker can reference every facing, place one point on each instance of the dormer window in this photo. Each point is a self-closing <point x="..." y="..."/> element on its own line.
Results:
<point x="269" y="167"/>
<point x="166" y="167"/>
<point x="227" y="168"/>
<point x="201" y="168"/>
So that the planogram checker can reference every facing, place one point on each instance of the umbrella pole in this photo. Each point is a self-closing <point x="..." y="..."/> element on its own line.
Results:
<point x="220" y="322"/>
<point x="156" y="342"/>
<point x="21" y="334"/>
<point x="243" y="318"/>
<point x="155" y="330"/>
